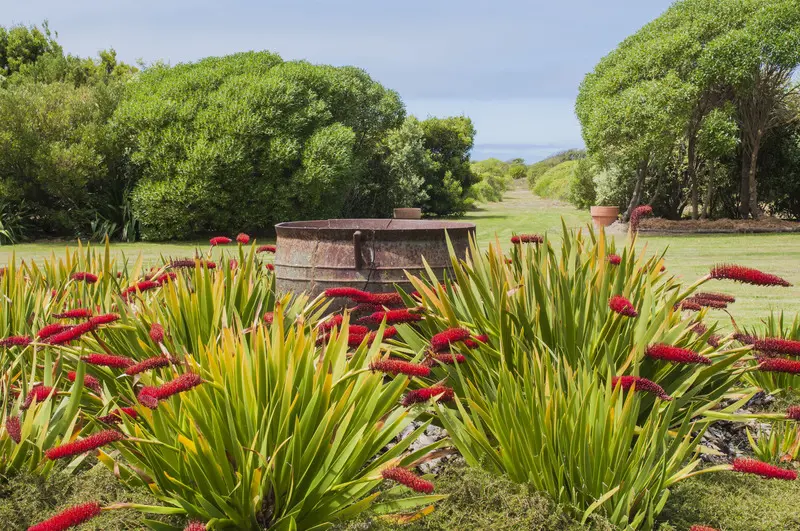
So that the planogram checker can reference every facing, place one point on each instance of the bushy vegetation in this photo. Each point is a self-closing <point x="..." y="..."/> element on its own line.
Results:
<point x="495" y="178"/>
<point x="94" y="147"/>
<point x="537" y="169"/>
<point x="556" y="182"/>
<point x="684" y="113"/>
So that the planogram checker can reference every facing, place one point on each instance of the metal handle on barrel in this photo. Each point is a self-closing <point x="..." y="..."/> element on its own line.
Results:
<point x="357" y="249"/>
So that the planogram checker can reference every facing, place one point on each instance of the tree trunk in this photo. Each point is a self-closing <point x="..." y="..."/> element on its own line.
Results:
<point x="752" y="195"/>
<point x="637" y="190"/>
<point x="744" y="183"/>
<point x="691" y="155"/>
<point x="709" y="193"/>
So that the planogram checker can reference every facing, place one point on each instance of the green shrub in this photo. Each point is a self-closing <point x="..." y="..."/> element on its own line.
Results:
<point x="582" y="192"/>
<point x="537" y="169"/>
<point x="556" y="182"/>
<point x="495" y="178"/>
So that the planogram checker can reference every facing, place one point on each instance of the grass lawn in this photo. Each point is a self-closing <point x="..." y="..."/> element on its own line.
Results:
<point x="688" y="257"/>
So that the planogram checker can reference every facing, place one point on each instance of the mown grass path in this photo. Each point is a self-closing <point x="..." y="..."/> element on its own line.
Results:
<point x="688" y="257"/>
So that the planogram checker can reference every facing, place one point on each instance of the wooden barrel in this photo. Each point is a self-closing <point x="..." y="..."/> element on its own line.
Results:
<point x="367" y="254"/>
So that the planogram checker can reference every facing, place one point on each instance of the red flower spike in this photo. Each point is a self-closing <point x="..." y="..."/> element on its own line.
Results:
<point x="266" y="249"/>
<point x="355" y="295"/>
<point x="87" y="444"/>
<point x="71" y="517"/>
<point x="388" y="333"/>
<point x="423" y="395"/>
<point x="106" y="318"/>
<point x="476" y="341"/>
<point x="776" y="345"/>
<point x="14" y="429"/>
<point x="721" y="297"/>
<point x="147" y="397"/>
<point x="793" y="413"/>
<point x="642" y="384"/>
<point x="622" y="306"/>
<point x="442" y="340"/>
<point x="358" y="330"/>
<point x="269" y="317"/>
<point x="15" y="341"/>
<point x="157" y="333"/>
<point x="445" y="358"/>
<point x="77" y="313"/>
<point x="385" y="299"/>
<point x="169" y="275"/>
<point x="184" y="263"/>
<point x="40" y="394"/>
<point x="688" y="305"/>
<point x="701" y="528"/>
<point x="395" y="367"/>
<point x="115" y="417"/>
<point x="72" y="333"/>
<point x="674" y="354"/>
<point x="89" y="381"/>
<point x="108" y="360"/>
<point x="89" y="278"/>
<point x="331" y="322"/>
<point x="526" y="238"/>
<point x="392" y="317"/>
<point x="182" y="383"/>
<point x="407" y="478"/>
<point x="752" y="466"/>
<point x="637" y="215"/>
<point x="746" y="275"/>
<point x="707" y="303"/>
<point x="365" y="307"/>
<point x="779" y="365"/>
<point x="148" y="364"/>
<point x="744" y="338"/>
<point x="144" y="285"/>
<point x="614" y="259"/>
<point x="51" y="329"/>
<point x="195" y="526"/>
<point x="243" y="238"/>
<point x="219" y="240"/>
<point x="270" y="267"/>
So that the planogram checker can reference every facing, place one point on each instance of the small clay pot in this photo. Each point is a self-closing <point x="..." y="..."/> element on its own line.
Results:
<point x="603" y="216"/>
<point x="408" y="213"/>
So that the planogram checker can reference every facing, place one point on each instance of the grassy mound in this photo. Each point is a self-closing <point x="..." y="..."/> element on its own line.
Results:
<point x="555" y="183"/>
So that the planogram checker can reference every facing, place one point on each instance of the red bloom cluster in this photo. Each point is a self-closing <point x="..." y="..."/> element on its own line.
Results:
<point x="689" y="305"/>
<point x="526" y="238"/>
<point x="332" y="321"/>
<point x="69" y="518"/>
<point x="243" y="238"/>
<point x="219" y="240"/>
<point x="386" y="299"/>
<point x="15" y="341"/>
<point x="358" y="330"/>
<point x="108" y="360"/>
<point x="793" y="413"/>
<point x="195" y="526"/>
<point x="476" y="341"/>
<point x="366" y="307"/>
<point x="157" y="333"/>
<point x="39" y="393"/>
<point x="169" y="275"/>
<point x="746" y="275"/>
<point x="674" y="354"/>
<point x="622" y="306"/>
<point x="637" y="215"/>
<point x="744" y="338"/>
<point x="708" y="303"/>
<point x="642" y="384"/>
<point x="87" y="444"/>
<point x="614" y="259"/>
<point x="149" y="396"/>
<point x="269" y="317"/>
<point x="89" y="278"/>
<point x="77" y="313"/>
<point x="266" y="249"/>
<point x="779" y="365"/>
<point x="144" y="285"/>
<point x="722" y="297"/>
<point x="701" y="528"/>
<point x="363" y="297"/>
<point x="270" y="267"/>
<point x="776" y="345"/>
<point x="106" y="318"/>
<point x="394" y="366"/>
<point x="115" y="416"/>
<point x="51" y="329"/>
<point x="423" y="395"/>
<point x="407" y="478"/>
<point x="184" y="263"/>
<point x="14" y="429"/>
<point x="147" y="365"/>
<point x="700" y="329"/>
<point x="442" y="340"/>
<point x="72" y="333"/>
<point x="446" y="358"/>
<point x="392" y="317"/>
<point x="88" y="381"/>
<point x="759" y="468"/>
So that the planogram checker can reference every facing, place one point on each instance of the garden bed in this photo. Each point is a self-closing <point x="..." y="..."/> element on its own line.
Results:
<point x="717" y="226"/>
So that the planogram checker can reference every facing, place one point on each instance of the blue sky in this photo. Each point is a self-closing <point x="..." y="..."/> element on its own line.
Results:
<point x="512" y="66"/>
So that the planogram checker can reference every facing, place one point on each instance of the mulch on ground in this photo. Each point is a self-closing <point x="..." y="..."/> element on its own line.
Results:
<point x="717" y="226"/>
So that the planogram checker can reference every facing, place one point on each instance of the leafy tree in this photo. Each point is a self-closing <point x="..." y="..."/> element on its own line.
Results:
<point x="495" y="178"/>
<point x="449" y="141"/>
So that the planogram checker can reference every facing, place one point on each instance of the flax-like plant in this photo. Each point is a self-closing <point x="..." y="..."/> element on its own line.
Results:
<point x="775" y="326"/>
<point x="566" y="431"/>
<point x="778" y="444"/>
<point x="280" y="435"/>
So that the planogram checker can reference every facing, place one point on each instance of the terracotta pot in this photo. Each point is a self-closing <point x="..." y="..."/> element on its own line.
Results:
<point x="408" y="213"/>
<point x="603" y="216"/>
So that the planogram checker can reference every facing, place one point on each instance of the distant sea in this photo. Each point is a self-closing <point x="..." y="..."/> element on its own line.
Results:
<point x="530" y="152"/>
